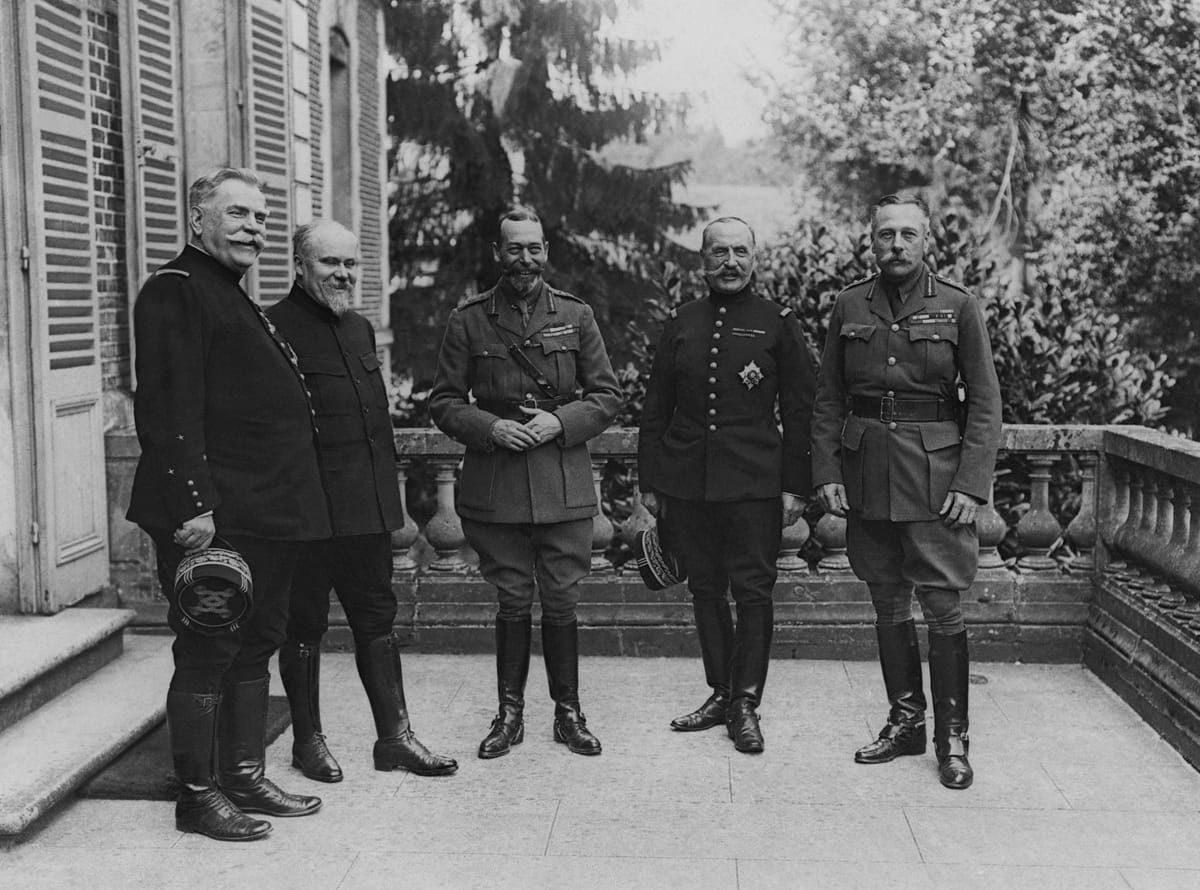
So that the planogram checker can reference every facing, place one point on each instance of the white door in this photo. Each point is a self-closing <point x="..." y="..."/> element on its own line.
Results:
<point x="70" y="502"/>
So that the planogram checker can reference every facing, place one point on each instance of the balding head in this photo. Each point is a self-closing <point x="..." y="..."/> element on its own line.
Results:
<point x="326" y="257"/>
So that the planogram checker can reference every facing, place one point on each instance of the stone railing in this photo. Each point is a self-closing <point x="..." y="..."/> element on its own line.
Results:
<point x="1137" y="492"/>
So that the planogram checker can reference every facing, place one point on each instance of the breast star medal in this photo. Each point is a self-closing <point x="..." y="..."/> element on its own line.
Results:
<point x="751" y="375"/>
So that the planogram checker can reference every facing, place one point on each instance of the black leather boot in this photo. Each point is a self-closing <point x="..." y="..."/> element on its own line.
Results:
<point x="242" y="752"/>
<point x="202" y="808"/>
<point x="714" y="627"/>
<point x="949" y="679"/>
<point x="513" y="638"/>
<point x="560" y="648"/>
<point x="300" y="670"/>
<point x="751" y="656"/>
<point x="396" y="746"/>
<point x="900" y="658"/>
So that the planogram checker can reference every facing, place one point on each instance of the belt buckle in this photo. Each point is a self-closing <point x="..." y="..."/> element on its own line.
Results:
<point x="529" y="402"/>
<point x="887" y="409"/>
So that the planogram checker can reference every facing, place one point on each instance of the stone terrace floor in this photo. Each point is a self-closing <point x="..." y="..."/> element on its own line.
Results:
<point x="1072" y="790"/>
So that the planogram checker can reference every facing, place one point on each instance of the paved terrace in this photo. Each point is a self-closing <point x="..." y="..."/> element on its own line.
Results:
<point x="1072" y="790"/>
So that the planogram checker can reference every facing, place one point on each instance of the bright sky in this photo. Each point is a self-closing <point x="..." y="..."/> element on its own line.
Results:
<point x="707" y="45"/>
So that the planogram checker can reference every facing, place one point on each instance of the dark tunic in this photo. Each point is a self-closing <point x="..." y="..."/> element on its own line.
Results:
<point x="358" y="455"/>
<point x="222" y="414"/>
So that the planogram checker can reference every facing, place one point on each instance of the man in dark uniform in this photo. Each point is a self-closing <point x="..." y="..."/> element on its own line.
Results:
<point x="535" y="362"/>
<point x="336" y="349"/>
<point x="890" y="455"/>
<point x="227" y="440"/>
<point x="712" y="461"/>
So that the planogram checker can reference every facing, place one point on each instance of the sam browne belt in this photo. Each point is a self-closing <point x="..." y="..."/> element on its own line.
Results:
<point x="888" y="409"/>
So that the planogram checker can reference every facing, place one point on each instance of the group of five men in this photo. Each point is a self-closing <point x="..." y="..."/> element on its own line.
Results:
<point x="268" y="434"/>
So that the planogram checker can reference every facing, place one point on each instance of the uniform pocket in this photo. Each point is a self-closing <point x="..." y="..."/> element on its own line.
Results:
<point x="476" y="480"/>
<point x="859" y="333"/>
<point x="852" y="459"/>
<point x="487" y="369"/>
<point x="371" y="366"/>
<point x="942" y="448"/>
<point x="322" y="376"/>
<point x="938" y="342"/>
<point x="563" y="350"/>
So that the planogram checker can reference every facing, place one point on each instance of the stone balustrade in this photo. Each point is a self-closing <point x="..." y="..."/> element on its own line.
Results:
<point x="1137" y="493"/>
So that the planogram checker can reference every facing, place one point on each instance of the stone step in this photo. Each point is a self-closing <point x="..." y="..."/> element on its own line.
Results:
<point x="54" y="749"/>
<point x="42" y="656"/>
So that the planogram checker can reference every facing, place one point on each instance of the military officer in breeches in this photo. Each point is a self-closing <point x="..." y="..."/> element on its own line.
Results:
<point x="228" y="450"/>
<point x="893" y="454"/>
<point x="713" y="460"/>
<point x="534" y="361"/>
<point x="336" y="349"/>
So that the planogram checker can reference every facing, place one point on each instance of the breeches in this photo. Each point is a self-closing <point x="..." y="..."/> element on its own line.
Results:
<point x="729" y="546"/>
<point x="896" y="557"/>
<point x="202" y="661"/>
<point x="519" y="559"/>
<point x="358" y="568"/>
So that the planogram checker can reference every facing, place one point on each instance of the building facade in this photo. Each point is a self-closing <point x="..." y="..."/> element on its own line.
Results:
<point x="108" y="109"/>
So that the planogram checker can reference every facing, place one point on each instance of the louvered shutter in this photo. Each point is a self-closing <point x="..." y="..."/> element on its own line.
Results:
<point x="68" y="416"/>
<point x="153" y="104"/>
<point x="268" y="128"/>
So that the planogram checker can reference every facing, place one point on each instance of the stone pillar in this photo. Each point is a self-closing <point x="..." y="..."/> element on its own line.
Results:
<point x="404" y="537"/>
<point x="1081" y="531"/>
<point x="602" y="527"/>
<point x="793" y="539"/>
<point x="444" y="531"/>
<point x="831" y="535"/>
<point x="1038" y="530"/>
<point x="991" y="529"/>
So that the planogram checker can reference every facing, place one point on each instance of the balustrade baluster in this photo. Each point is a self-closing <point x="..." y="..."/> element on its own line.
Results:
<point x="444" y="531"/>
<point x="1117" y="567"/>
<point x="639" y="518"/>
<point x="792" y="540"/>
<point x="404" y="537"/>
<point x="991" y="529"/>
<point x="1124" y="536"/>
<point x="1081" y="531"/>
<point x="831" y="535"/>
<point x="602" y="527"/>
<point x="1038" y="530"/>
<point x="1189" y="569"/>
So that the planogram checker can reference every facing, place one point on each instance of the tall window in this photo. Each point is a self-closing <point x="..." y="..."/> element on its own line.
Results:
<point x="340" y="130"/>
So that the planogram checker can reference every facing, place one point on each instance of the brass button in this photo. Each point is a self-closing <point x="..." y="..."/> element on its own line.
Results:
<point x="713" y="351"/>
<point x="937" y="336"/>
<point x="891" y="393"/>
<point x="891" y="360"/>
<point x="712" y="379"/>
<point x="722" y="310"/>
<point x="895" y="327"/>
<point x="713" y="365"/>
<point x="717" y="335"/>
<point x="712" y="427"/>
<point x="720" y="323"/>
<point x="712" y="396"/>
<point x="712" y="412"/>
<point x="892" y="425"/>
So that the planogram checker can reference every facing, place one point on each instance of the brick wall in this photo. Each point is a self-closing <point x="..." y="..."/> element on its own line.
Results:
<point x="108" y="184"/>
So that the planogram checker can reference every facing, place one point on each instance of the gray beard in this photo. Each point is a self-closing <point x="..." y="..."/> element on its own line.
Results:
<point x="337" y="302"/>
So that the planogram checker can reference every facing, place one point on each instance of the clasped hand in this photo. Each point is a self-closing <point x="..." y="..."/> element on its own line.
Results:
<point x="540" y="428"/>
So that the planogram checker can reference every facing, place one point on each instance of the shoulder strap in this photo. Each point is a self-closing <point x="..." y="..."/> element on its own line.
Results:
<point x="523" y="361"/>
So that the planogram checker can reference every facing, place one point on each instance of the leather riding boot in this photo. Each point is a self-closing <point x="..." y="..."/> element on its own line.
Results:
<point x="748" y="676"/>
<point x="949" y="679"/>
<point x="300" y="670"/>
<point x="714" y="627"/>
<point x="202" y="808"/>
<point x="396" y="747"/>
<point x="513" y="639"/>
<point x="560" y="648"/>
<point x="900" y="659"/>
<point x="242" y="753"/>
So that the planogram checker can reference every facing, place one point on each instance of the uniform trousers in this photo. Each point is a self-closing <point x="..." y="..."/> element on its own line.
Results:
<point x="202" y="660"/>
<point x="895" y="557"/>
<point x="359" y="569"/>
<point x="728" y="546"/>
<point x="521" y="559"/>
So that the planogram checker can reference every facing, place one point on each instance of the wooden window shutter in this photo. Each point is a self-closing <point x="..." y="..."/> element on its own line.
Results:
<point x="154" y="149"/>
<point x="269" y="92"/>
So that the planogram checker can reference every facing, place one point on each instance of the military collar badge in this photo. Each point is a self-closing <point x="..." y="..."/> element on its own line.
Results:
<point x="751" y="375"/>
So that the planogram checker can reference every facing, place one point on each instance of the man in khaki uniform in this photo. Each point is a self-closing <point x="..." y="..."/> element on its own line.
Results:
<point x="891" y="454"/>
<point x="533" y="358"/>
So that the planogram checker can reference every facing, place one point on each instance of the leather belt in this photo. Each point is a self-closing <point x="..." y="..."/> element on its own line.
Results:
<point x="889" y="409"/>
<point x="511" y="408"/>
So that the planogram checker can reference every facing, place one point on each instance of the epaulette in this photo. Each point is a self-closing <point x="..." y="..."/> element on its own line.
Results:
<point x="785" y="311"/>
<point x="861" y="281"/>
<point x="565" y="295"/>
<point x="172" y="272"/>
<point x="471" y="301"/>
<point x="953" y="284"/>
